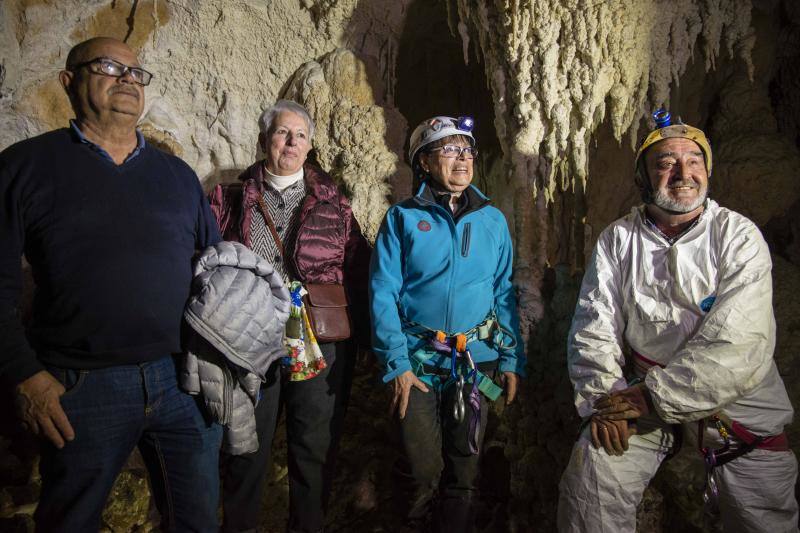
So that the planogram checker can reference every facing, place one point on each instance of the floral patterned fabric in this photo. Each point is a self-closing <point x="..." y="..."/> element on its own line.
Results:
<point x="303" y="357"/>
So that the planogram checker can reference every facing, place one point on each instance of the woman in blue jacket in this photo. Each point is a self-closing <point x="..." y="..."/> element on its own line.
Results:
<point x="444" y="319"/>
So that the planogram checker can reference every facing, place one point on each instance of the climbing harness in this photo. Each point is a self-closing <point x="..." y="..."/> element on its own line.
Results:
<point x="463" y="369"/>
<point x="458" y="350"/>
<point x="730" y="450"/>
<point x="454" y="346"/>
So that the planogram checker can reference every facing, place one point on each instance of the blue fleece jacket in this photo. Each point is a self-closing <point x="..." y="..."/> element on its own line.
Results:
<point x="445" y="274"/>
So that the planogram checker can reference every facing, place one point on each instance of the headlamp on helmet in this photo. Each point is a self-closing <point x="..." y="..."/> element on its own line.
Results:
<point x="662" y="118"/>
<point x="466" y="123"/>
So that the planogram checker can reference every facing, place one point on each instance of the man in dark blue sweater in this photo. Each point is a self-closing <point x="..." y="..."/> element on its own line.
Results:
<point x="109" y="225"/>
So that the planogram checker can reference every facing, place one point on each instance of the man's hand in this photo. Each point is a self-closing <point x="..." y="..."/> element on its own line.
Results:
<point x="39" y="407"/>
<point x="633" y="402"/>
<point x="402" y="388"/>
<point x="510" y="381"/>
<point x="612" y="435"/>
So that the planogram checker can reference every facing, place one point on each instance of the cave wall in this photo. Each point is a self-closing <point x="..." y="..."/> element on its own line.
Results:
<point x="561" y="90"/>
<point x="217" y="65"/>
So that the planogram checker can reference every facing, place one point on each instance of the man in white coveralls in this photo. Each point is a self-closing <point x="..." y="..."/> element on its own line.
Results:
<point x="680" y="288"/>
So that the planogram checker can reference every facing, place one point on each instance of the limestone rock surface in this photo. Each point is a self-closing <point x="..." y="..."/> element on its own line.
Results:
<point x="217" y="65"/>
<point x="129" y="503"/>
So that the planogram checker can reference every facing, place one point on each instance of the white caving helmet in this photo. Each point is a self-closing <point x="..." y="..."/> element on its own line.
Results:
<point x="437" y="128"/>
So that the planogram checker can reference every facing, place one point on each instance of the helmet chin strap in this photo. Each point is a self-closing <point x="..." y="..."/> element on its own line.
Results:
<point x="645" y="187"/>
<point x="420" y="175"/>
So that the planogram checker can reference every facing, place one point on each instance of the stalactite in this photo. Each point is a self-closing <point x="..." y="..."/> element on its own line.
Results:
<point x="559" y="70"/>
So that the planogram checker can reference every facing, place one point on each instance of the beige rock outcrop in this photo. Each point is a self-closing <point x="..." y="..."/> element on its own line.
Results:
<point x="356" y="138"/>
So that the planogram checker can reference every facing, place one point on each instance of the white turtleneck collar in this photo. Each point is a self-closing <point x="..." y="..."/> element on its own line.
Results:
<point x="279" y="183"/>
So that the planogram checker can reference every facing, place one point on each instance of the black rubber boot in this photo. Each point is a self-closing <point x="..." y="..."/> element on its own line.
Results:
<point x="455" y="515"/>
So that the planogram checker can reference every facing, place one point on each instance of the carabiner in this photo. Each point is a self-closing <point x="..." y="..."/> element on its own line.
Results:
<point x="459" y="408"/>
<point x="711" y="495"/>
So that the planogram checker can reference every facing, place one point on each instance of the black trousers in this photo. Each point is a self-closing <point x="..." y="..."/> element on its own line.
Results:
<point x="437" y="451"/>
<point x="315" y="412"/>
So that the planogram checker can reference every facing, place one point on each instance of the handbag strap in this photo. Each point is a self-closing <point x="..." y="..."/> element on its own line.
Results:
<point x="262" y="206"/>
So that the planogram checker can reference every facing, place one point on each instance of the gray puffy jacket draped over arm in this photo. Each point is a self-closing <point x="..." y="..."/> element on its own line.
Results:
<point x="237" y="311"/>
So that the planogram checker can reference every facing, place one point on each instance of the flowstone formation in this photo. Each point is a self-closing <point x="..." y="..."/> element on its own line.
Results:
<point x="561" y="91"/>
<point x="357" y="138"/>
<point x="557" y="70"/>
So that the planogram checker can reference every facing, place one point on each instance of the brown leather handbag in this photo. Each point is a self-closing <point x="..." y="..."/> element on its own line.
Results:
<point x="326" y="306"/>
<point x="325" y="303"/>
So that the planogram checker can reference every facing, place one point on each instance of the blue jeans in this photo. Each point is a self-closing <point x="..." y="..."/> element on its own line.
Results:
<point x="113" y="410"/>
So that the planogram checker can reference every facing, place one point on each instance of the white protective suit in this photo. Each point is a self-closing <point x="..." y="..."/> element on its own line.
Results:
<point x="640" y="291"/>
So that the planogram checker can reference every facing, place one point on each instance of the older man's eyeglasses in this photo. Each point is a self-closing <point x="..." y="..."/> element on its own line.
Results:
<point x="451" y="150"/>
<point x="108" y="67"/>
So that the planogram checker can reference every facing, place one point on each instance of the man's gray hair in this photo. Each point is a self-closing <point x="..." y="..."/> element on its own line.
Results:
<point x="268" y="116"/>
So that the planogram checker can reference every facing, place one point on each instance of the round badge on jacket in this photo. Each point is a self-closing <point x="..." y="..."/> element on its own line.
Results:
<point x="424" y="225"/>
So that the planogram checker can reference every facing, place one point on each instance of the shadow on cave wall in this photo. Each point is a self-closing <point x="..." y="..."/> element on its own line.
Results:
<point x="432" y="79"/>
<point x="783" y="232"/>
